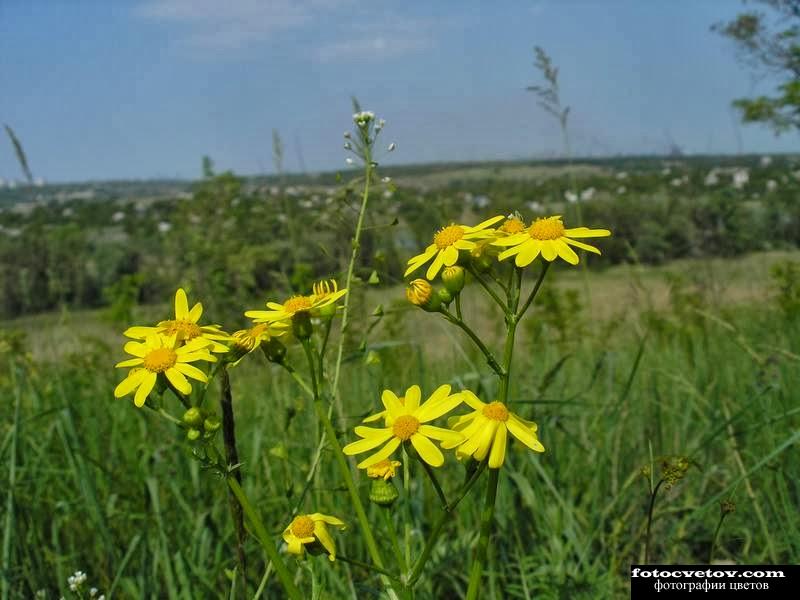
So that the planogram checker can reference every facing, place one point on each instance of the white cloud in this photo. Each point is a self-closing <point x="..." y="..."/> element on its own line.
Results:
<point x="216" y="25"/>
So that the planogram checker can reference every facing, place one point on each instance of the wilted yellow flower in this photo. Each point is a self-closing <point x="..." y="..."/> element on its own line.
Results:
<point x="446" y="244"/>
<point x="419" y="292"/>
<point x="406" y="421"/>
<point x="310" y="529"/>
<point x="245" y="341"/>
<point x="162" y="354"/>
<point x="184" y="326"/>
<point x="385" y="469"/>
<point x="548" y="237"/>
<point x="325" y="294"/>
<point x="486" y="430"/>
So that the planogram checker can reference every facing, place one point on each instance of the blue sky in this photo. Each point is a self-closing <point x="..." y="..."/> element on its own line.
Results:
<point x="138" y="89"/>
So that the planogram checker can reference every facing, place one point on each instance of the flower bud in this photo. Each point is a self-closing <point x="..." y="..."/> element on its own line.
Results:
<point x="193" y="435"/>
<point x="453" y="278"/>
<point x="326" y="312"/>
<point x="445" y="295"/>
<point x="274" y="350"/>
<point x="727" y="507"/>
<point x="193" y="417"/>
<point x="301" y="325"/>
<point x="211" y="424"/>
<point x="420" y="293"/>
<point x="383" y="492"/>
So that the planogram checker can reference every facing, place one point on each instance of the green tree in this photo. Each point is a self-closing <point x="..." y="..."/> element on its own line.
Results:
<point x="769" y="43"/>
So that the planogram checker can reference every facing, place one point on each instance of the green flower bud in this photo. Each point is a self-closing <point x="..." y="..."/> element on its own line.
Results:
<point x="193" y="435"/>
<point x="301" y="325"/>
<point x="211" y="424"/>
<point x="445" y="296"/>
<point x="326" y="312"/>
<point x="274" y="350"/>
<point x="453" y="278"/>
<point x="383" y="492"/>
<point x="193" y="417"/>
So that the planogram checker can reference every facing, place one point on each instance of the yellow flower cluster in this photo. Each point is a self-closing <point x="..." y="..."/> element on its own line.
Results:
<point x="479" y="434"/>
<point x="544" y="236"/>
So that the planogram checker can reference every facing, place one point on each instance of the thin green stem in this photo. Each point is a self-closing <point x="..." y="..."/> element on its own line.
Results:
<point x="170" y="418"/>
<point x="485" y="285"/>
<point x="434" y="480"/>
<point x="386" y="512"/>
<point x="459" y="314"/>
<point x="298" y="378"/>
<point x="408" y="512"/>
<point x="487" y="514"/>
<point x="369" y="567"/>
<point x="444" y="518"/>
<point x="368" y="168"/>
<point x="535" y="290"/>
<point x="364" y="525"/>
<point x="716" y="536"/>
<point x="650" y="521"/>
<point x="265" y="540"/>
<point x="490" y="359"/>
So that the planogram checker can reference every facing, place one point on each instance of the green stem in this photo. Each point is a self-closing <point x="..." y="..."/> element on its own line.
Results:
<point x="650" y="522"/>
<point x="266" y="543"/>
<point x="459" y="315"/>
<point x="298" y="378"/>
<point x="485" y="285"/>
<point x="232" y="461"/>
<point x="490" y="359"/>
<point x="368" y="167"/>
<point x="434" y="480"/>
<point x="535" y="290"/>
<point x="487" y="514"/>
<point x="444" y="518"/>
<point x="369" y="567"/>
<point x="386" y="512"/>
<point x="408" y="512"/>
<point x="716" y="535"/>
<point x="341" y="461"/>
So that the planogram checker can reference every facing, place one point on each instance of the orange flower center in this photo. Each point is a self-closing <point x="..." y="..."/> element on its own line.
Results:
<point x="550" y="228"/>
<point x="302" y="527"/>
<point x="160" y="359"/>
<point x="297" y="304"/>
<point x="448" y="236"/>
<point x="496" y="411"/>
<point x="405" y="426"/>
<point x="185" y="330"/>
<point x="512" y="226"/>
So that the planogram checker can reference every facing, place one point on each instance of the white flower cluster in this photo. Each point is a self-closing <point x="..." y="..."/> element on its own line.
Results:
<point x="740" y="178"/>
<point x="76" y="580"/>
<point x="364" y="117"/>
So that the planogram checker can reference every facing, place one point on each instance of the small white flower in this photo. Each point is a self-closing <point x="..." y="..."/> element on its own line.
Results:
<point x="711" y="178"/>
<point x="164" y="227"/>
<point x="118" y="216"/>
<point x="571" y="197"/>
<point x="766" y="161"/>
<point x="348" y="160"/>
<point x="386" y="179"/>
<point x="93" y="592"/>
<point x="391" y="147"/>
<point x="622" y="189"/>
<point x="363" y="117"/>
<point x="772" y="185"/>
<point x="622" y="175"/>
<point x="347" y="146"/>
<point x="740" y="178"/>
<point x="587" y="194"/>
<point x="347" y="135"/>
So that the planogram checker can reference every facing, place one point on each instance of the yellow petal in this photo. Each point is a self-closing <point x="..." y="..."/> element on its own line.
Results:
<point x="371" y="432"/>
<point x="581" y="245"/>
<point x="392" y="403"/>
<point x="148" y="381"/>
<point x="441" y="434"/>
<point x="135" y="348"/>
<point x="433" y="410"/>
<point x="450" y="256"/>
<point x="381" y="454"/>
<point x="191" y="371"/>
<point x="528" y="253"/>
<point x="413" y="396"/>
<point x="585" y="232"/>
<point x="524" y="434"/>
<point x="565" y="252"/>
<point x="366" y="444"/>
<point x="196" y="312"/>
<point x="177" y="379"/>
<point x="328" y="519"/>
<point x="427" y="450"/>
<point x="131" y="362"/>
<point x="325" y="539"/>
<point x="472" y="400"/>
<point x="436" y="266"/>
<point x="181" y="305"/>
<point x="127" y="385"/>
<point x="549" y="250"/>
<point x="498" y="454"/>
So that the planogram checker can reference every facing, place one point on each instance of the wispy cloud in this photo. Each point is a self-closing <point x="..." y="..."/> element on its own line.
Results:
<point x="216" y="26"/>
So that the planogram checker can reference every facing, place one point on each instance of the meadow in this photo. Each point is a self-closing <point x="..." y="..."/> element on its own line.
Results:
<point x="662" y="376"/>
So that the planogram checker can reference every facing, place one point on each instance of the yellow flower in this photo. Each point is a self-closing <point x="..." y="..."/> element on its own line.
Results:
<point x="162" y="354"/>
<point x="486" y="431"/>
<point x="548" y="237"/>
<point x="386" y="469"/>
<point x="184" y="326"/>
<point x="325" y="294"/>
<point x="512" y="225"/>
<point x="446" y="244"/>
<point x="406" y="421"/>
<point x="245" y="341"/>
<point x="309" y="529"/>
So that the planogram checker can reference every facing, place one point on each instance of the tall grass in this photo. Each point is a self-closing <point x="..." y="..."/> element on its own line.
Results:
<point x="95" y="486"/>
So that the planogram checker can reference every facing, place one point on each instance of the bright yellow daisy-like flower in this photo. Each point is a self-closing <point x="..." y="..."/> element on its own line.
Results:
<point x="325" y="294"/>
<point x="406" y="421"/>
<point x="446" y="244"/>
<point x="512" y="225"/>
<point x="310" y="530"/>
<point x="245" y="341"/>
<point x="548" y="237"/>
<point x="184" y="326"/>
<point x="162" y="354"/>
<point x="486" y="431"/>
